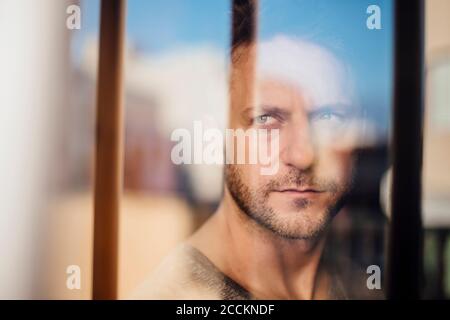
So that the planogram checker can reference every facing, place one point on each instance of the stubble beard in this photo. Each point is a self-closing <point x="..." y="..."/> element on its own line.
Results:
<point x="253" y="203"/>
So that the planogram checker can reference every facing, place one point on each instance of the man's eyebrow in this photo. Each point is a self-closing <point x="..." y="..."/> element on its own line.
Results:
<point x="265" y="109"/>
<point x="348" y="109"/>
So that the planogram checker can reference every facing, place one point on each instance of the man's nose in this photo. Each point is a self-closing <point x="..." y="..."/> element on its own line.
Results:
<point x="298" y="150"/>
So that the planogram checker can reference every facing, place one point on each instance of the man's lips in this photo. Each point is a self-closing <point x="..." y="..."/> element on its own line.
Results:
<point x="299" y="191"/>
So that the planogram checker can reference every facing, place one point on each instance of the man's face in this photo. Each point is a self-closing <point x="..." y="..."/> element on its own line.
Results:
<point x="314" y="161"/>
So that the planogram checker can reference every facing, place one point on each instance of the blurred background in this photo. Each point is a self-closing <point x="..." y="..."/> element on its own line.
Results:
<point x="176" y="73"/>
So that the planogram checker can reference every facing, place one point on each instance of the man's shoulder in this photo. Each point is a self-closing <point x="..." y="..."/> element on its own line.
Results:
<point x="186" y="273"/>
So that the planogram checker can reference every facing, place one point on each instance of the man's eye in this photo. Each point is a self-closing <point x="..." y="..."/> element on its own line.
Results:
<point x="263" y="119"/>
<point x="327" y="116"/>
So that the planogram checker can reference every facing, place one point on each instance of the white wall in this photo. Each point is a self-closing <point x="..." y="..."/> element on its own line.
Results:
<point x="33" y="62"/>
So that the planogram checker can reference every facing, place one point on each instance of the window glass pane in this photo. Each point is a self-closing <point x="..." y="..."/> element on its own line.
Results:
<point x="436" y="176"/>
<point x="256" y="148"/>
<point x="176" y="81"/>
<point x="317" y="76"/>
<point x="70" y="227"/>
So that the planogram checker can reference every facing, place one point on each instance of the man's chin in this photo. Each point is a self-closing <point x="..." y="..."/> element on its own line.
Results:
<point x="295" y="225"/>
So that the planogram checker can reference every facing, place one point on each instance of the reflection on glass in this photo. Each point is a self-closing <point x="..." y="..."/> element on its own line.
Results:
<point x="256" y="157"/>
<point x="314" y="224"/>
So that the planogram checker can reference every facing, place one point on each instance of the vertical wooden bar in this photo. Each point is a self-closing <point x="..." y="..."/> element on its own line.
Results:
<point x="405" y="234"/>
<point x="109" y="151"/>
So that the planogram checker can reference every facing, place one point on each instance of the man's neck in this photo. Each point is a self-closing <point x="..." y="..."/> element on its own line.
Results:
<point x="263" y="263"/>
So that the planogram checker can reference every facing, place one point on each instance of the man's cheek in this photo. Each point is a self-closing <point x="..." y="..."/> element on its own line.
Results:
<point x="334" y="165"/>
<point x="346" y="163"/>
<point x="251" y="175"/>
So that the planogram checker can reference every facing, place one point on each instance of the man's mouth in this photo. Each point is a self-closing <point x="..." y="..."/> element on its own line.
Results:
<point x="304" y="191"/>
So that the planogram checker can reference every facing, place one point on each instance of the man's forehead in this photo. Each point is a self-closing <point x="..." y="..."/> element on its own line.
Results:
<point x="277" y="92"/>
<point x="306" y="67"/>
<point x="287" y="95"/>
